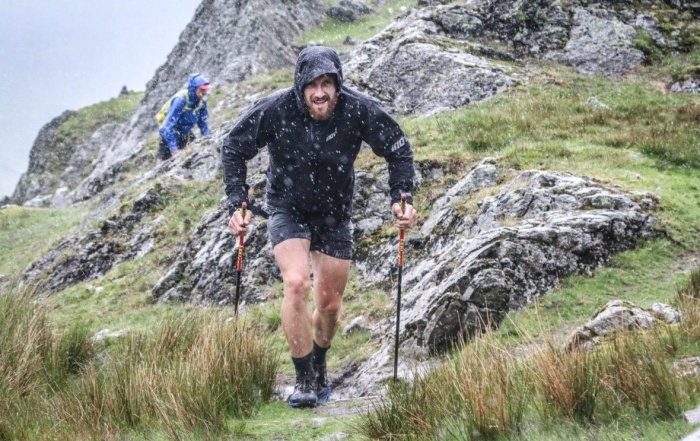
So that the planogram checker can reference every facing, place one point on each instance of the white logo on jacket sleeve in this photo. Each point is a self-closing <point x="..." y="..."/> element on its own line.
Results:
<point x="398" y="144"/>
<point x="332" y="135"/>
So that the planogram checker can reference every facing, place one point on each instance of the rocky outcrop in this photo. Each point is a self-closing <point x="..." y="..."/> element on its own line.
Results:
<point x="471" y="269"/>
<point x="618" y="316"/>
<point x="691" y="85"/>
<point x="442" y="57"/>
<point x="493" y="242"/>
<point x="46" y="161"/>
<point x="600" y="44"/>
<point x="348" y="10"/>
<point x="229" y="40"/>
<point x="433" y="59"/>
<point x="87" y="256"/>
<point x="409" y="66"/>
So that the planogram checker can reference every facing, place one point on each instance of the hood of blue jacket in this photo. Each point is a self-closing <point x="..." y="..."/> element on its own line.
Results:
<point x="196" y="80"/>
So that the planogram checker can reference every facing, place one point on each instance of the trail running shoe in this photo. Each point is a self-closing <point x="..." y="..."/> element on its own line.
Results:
<point x="304" y="394"/>
<point x="323" y="386"/>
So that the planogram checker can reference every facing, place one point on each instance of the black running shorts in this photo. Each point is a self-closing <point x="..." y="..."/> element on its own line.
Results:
<point x="327" y="234"/>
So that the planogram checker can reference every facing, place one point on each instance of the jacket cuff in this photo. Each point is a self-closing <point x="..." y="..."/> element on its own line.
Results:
<point x="233" y="206"/>
<point x="396" y="197"/>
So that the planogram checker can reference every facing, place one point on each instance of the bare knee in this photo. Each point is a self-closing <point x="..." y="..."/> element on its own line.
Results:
<point x="297" y="287"/>
<point x="329" y="309"/>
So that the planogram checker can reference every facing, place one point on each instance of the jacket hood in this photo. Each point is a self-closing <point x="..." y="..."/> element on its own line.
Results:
<point x="196" y="80"/>
<point x="314" y="61"/>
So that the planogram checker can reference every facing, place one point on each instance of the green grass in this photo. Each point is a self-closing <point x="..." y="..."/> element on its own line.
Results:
<point x="122" y="297"/>
<point x="332" y="32"/>
<point x="86" y="120"/>
<point x="553" y="111"/>
<point x="190" y="374"/>
<point x="643" y="276"/>
<point x="31" y="232"/>
<point x="277" y="421"/>
<point x="632" y="427"/>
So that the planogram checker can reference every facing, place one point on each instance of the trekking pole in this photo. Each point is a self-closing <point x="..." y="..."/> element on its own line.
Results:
<point x="239" y="263"/>
<point x="398" y="297"/>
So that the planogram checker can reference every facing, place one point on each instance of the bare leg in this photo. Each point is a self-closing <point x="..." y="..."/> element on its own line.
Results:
<point x="293" y="259"/>
<point x="330" y="278"/>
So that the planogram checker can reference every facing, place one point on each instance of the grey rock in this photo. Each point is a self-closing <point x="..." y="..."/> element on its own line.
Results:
<point x="87" y="256"/>
<point x="339" y="436"/>
<point x="464" y="280"/>
<point x="615" y="316"/>
<point x="695" y="436"/>
<point x="406" y="67"/>
<point x="600" y="45"/>
<point x="482" y="175"/>
<point x="687" y="366"/>
<point x="433" y="2"/>
<point x="693" y="417"/>
<point x="651" y="26"/>
<point x="691" y="85"/>
<point x="358" y="324"/>
<point x="595" y="102"/>
<point x="45" y="162"/>
<point x="666" y="313"/>
<point x="348" y="10"/>
<point x="106" y="333"/>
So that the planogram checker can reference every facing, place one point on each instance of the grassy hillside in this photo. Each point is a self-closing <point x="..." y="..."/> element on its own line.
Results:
<point x="645" y="140"/>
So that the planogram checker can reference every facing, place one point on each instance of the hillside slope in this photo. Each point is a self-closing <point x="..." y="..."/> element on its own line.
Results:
<point x="554" y="162"/>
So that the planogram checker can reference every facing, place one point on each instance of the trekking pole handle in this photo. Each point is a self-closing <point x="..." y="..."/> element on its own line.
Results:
<point x="239" y="262"/>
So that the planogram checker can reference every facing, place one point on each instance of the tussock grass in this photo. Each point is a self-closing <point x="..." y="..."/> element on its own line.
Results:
<point x="567" y="382"/>
<point x="688" y="301"/>
<point x="33" y="362"/>
<point x="478" y="393"/>
<point x="192" y="374"/>
<point x="486" y="392"/>
<point x="636" y="373"/>
<point x="25" y="345"/>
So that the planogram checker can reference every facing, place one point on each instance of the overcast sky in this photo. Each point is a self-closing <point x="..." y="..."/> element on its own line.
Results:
<point x="57" y="55"/>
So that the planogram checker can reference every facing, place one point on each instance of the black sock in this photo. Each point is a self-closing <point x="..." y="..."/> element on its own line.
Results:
<point x="303" y="366"/>
<point x="319" y="354"/>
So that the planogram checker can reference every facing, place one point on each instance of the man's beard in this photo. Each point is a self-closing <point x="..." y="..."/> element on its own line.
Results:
<point x="324" y="114"/>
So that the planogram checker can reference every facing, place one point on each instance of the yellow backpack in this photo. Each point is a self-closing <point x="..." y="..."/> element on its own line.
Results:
<point x="163" y="112"/>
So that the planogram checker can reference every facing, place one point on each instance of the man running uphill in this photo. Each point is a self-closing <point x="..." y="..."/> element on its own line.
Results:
<point x="313" y="132"/>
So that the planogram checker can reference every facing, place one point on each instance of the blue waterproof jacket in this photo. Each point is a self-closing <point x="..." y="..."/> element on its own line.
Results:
<point x="184" y="113"/>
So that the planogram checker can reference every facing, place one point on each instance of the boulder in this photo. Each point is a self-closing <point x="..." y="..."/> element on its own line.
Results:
<point x="348" y="10"/>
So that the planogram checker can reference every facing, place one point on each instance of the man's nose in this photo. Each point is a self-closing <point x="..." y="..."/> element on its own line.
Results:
<point x="317" y="91"/>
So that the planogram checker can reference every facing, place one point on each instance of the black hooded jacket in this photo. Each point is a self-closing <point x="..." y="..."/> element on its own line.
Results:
<point x="311" y="162"/>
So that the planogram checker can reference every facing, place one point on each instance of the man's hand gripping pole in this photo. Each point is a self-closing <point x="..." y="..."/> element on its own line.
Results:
<point x="239" y="261"/>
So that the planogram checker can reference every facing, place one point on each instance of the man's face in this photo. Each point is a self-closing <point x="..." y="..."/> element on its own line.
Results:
<point x="320" y="97"/>
<point x="201" y="93"/>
